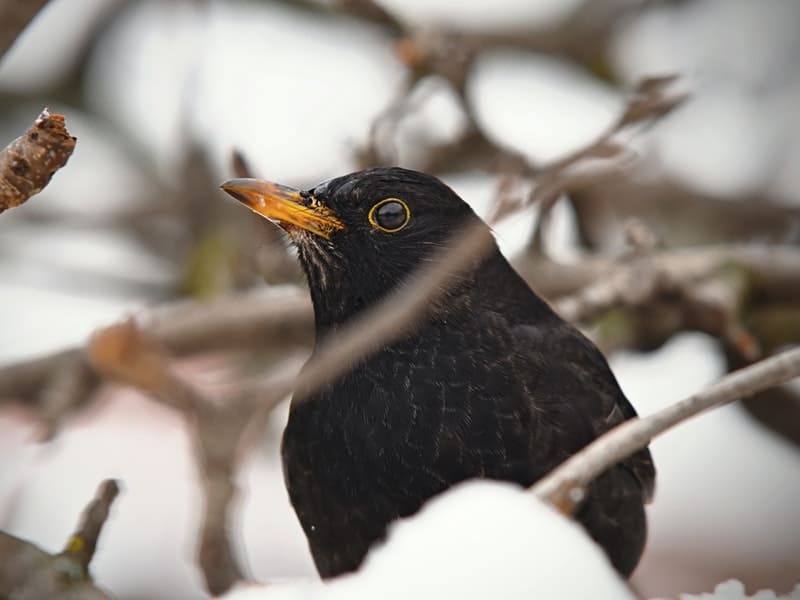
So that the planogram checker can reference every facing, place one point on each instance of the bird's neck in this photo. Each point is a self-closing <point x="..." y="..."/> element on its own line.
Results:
<point x="341" y="299"/>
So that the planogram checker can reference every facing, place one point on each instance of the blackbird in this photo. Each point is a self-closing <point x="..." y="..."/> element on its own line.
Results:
<point x="491" y="383"/>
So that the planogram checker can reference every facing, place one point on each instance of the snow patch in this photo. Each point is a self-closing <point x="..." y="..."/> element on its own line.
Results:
<point x="479" y="540"/>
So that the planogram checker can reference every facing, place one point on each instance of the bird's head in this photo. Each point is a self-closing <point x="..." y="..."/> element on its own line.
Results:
<point x="361" y="234"/>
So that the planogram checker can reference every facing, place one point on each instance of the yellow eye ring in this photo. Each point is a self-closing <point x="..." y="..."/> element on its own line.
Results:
<point x="389" y="215"/>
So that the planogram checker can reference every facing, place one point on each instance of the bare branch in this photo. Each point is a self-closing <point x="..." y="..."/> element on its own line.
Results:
<point x="592" y="285"/>
<point x="253" y="320"/>
<point x="240" y="165"/>
<point x="14" y="18"/>
<point x="389" y="319"/>
<point x="28" y="572"/>
<point x="125" y="353"/>
<point x="564" y="486"/>
<point x="28" y="163"/>
<point x="83" y="543"/>
<point x="651" y="99"/>
<point x="372" y="12"/>
<point x="583" y="37"/>
<point x="68" y="387"/>
<point x="217" y="425"/>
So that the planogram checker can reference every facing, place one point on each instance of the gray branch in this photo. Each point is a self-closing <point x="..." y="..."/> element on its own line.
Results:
<point x="564" y="486"/>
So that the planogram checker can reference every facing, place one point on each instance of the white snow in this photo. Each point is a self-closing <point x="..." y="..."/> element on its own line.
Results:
<point x="735" y="590"/>
<point x="479" y="540"/>
<point x="554" y="107"/>
<point x="502" y="14"/>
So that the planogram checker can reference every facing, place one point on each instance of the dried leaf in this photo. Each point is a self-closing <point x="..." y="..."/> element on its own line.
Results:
<point x="124" y="352"/>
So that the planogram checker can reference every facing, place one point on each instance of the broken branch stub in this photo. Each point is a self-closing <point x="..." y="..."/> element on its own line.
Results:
<point x="29" y="162"/>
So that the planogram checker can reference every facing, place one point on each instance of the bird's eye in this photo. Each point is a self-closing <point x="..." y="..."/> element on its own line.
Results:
<point x="389" y="215"/>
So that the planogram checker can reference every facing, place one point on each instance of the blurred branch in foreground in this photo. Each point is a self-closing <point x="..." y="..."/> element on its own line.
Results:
<point x="218" y="427"/>
<point x="14" y="18"/>
<point x="28" y="163"/>
<point x="464" y="250"/>
<point x="28" y="572"/>
<point x="281" y="319"/>
<point x="636" y="283"/>
<point x="122" y="352"/>
<point x="714" y="289"/>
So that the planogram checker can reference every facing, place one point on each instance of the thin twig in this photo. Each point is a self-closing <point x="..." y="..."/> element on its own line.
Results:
<point x="586" y="288"/>
<point x="83" y="543"/>
<point x="651" y="99"/>
<point x="29" y="572"/>
<point x="394" y="315"/>
<point x="68" y="388"/>
<point x="564" y="485"/>
<point x="774" y="271"/>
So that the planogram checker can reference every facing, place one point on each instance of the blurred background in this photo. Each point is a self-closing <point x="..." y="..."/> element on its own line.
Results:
<point x="160" y="94"/>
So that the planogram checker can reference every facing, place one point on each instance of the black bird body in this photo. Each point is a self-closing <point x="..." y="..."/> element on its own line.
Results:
<point x="491" y="383"/>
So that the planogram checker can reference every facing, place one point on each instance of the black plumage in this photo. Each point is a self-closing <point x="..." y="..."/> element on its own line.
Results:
<point x="492" y="383"/>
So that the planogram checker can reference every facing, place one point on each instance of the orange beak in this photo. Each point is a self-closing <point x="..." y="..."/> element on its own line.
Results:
<point x="284" y="206"/>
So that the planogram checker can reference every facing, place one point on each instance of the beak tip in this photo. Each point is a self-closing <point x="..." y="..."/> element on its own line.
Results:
<point x="240" y="189"/>
<point x="230" y="184"/>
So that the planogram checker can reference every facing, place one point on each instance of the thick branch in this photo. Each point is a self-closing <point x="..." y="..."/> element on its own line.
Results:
<point x="590" y="286"/>
<point x="14" y="18"/>
<point x="280" y="316"/>
<point x="564" y="486"/>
